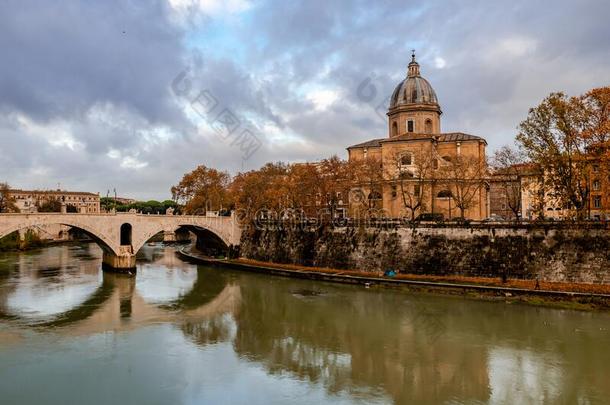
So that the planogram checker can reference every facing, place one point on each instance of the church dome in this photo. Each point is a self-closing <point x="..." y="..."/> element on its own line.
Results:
<point x="414" y="89"/>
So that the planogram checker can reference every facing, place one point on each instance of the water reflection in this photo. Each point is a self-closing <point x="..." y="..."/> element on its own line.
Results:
<point x="92" y="301"/>
<point x="195" y="334"/>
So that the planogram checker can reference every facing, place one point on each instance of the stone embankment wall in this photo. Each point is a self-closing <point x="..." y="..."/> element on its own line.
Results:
<point x="579" y="254"/>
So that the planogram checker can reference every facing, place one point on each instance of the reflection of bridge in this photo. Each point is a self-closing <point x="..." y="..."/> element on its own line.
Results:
<point x="117" y="300"/>
<point x="122" y="235"/>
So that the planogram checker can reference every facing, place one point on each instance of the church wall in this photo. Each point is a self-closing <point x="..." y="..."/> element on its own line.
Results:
<point x="358" y="153"/>
<point x="394" y="206"/>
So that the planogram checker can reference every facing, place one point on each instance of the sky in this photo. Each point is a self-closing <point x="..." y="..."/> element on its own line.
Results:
<point x="130" y="95"/>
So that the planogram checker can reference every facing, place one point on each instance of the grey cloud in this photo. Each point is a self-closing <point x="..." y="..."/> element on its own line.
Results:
<point x="61" y="63"/>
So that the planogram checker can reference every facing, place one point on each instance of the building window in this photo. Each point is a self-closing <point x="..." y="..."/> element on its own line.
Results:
<point x="406" y="159"/>
<point x="597" y="201"/>
<point x="374" y="196"/>
<point x="595" y="168"/>
<point x="394" y="192"/>
<point x="428" y="126"/>
<point x="596" y="185"/>
<point x="410" y="126"/>
<point x="444" y="194"/>
<point x="394" y="129"/>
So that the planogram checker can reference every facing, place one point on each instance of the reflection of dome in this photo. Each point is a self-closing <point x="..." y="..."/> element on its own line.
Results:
<point x="414" y="89"/>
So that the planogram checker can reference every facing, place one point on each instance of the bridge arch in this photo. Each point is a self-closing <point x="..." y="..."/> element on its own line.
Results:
<point x="102" y="240"/>
<point x="197" y="229"/>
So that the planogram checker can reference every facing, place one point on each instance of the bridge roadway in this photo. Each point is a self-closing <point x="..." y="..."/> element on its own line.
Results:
<point x="121" y="235"/>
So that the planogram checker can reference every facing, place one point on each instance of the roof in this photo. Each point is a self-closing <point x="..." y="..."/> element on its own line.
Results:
<point x="414" y="89"/>
<point x="373" y="143"/>
<point x="52" y="192"/>
<point x="459" y="136"/>
<point x="446" y="137"/>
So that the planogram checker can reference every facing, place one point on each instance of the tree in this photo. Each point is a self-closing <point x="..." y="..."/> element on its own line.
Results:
<point x="50" y="205"/>
<point x="302" y="184"/>
<point x="7" y="203"/>
<point x="366" y="180"/>
<point x="263" y="189"/>
<point x="597" y="134"/>
<point x="334" y="183"/>
<point x="508" y="165"/>
<point x="201" y="190"/>
<point x="560" y="134"/>
<point x="464" y="178"/>
<point x="413" y="171"/>
<point x="107" y="203"/>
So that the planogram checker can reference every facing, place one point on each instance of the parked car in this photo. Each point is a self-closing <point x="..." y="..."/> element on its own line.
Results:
<point x="428" y="216"/>
<point x="494" y="218"/>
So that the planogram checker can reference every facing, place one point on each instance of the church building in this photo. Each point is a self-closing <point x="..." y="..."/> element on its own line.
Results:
<point x="423" y="170"/>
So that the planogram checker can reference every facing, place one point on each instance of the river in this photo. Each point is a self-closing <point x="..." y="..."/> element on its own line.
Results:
<point x="179" y="333"/>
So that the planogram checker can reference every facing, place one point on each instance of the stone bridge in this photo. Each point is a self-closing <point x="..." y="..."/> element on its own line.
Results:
<point x="121" y="235"/>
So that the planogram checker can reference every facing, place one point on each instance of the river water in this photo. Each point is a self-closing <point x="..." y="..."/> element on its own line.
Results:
<point x="178" y="333"/>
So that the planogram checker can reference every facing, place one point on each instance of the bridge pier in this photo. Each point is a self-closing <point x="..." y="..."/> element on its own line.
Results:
<point x="169" y="236"/>
<point x="124" y="263"/>
<point x="179" y="236"/>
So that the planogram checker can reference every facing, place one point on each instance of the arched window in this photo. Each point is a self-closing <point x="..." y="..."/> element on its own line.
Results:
<point x="126" y="235"/>
<point x="406" y="159"/>
<point x="394" y="129"/>
<point x="444" y="194"/>
<point x="428" y="126"/>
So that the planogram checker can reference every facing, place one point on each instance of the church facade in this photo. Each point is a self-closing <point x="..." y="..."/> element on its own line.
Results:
<point x="423" y="170"/>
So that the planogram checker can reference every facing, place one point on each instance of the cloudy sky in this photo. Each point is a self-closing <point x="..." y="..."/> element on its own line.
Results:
<point x="132" y="94"/>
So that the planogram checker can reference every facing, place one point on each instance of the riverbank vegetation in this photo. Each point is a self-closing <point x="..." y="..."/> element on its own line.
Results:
<point x="13" y="241"/>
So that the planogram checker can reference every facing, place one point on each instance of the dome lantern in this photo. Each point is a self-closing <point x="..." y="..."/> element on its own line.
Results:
<point x="414" y="106"/>
<point x="413" y="68"/>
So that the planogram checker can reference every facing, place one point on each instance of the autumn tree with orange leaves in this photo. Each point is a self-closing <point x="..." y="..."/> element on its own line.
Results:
<point x="366" y="180"/>
<point x="569" y="138"/>
<point x="265" y="188"/>
<point x="7" y="203"/>
<point x="203" y="189"/>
